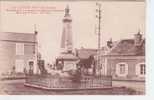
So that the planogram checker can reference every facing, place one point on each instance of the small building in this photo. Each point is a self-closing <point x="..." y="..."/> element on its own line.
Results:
<point x="87" y="59"/>
<point x="16" y="51"/>
<point x="125" y="61"/>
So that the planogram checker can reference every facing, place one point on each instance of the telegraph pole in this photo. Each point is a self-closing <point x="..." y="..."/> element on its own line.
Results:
<point x="98" y="16"/>
<point x="36" y="48"/>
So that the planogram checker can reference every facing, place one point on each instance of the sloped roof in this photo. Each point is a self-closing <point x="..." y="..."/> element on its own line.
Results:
<point x="85" y="53"/>
<point x="66" y="56"/>
<point x="17" y="37"/>
<point x="128" y="47"/>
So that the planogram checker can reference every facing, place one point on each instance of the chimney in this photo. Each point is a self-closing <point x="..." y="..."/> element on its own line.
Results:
<point x="137" y="39"/>
<point x="35" y="31"/>
<point x="110" y="43"/>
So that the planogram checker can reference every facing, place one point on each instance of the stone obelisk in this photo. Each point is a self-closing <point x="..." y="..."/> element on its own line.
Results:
<point x="67" y="59"/>
<point x="66" y="41"/>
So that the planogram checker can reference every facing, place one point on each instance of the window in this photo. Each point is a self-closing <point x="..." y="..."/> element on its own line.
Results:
<point x="121" y="69"/>
<point x="19" y="49"/>
<point x="19" y="65"/>
<point x="140" y="69"/>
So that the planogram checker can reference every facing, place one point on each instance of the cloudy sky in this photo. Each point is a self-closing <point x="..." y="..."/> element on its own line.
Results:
<point x="119" y="20"/>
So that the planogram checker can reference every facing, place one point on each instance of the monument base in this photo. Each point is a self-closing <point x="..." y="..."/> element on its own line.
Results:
<point x="68" y="61"/>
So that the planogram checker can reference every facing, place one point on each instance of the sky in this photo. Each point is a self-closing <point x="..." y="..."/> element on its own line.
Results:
<point x="119" y="20"/>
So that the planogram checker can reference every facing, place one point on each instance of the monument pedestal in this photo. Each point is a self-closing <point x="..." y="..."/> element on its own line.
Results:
<point x="68" y="61"/>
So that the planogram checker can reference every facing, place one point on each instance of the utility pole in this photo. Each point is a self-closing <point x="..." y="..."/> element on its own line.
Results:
<point x="36" y="48"/>
<point x="98" y="16"/>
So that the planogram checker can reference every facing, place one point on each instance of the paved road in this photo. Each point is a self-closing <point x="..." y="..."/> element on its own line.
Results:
<point x="138" y="86"/>
<point x="16" y="87"/>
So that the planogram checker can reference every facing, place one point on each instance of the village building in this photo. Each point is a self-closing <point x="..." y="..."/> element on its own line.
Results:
<point x="17" y="51"/>
<point x="125" y="62"/>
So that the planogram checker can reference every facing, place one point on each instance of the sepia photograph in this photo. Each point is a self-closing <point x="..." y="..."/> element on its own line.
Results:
<point x="72" y="47"/>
